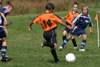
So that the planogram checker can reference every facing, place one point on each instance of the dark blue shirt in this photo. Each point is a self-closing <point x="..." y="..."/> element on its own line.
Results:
<point x="5" y="12"/>
<point x="82" y="21"/>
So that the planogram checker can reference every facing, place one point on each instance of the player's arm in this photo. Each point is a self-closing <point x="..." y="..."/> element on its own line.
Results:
<point x="35" y="20"/>
<point x="90" y="26"/>
<point x="65" y="25"/>
<point x="5" y="29"/>
<point x="30" y="26"/>
<point x="74" y="21"/>
<point x="5" y="20"/>
<point x="58" y="20"/>
<point x="90" y="30"/>
<point x="65" y="17"/>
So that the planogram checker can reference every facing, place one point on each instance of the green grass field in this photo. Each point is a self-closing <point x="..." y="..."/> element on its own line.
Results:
<point x="25" y="51"/>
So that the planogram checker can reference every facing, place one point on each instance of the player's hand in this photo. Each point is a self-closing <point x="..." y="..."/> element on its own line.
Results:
<point x="68" y="27"/>
<point x="5" y="23"/>
<point x="9" y="23"/>
<point x="72" y="26"/>
<point x="90" y="31"/>
<point x="63" y="18"/>
<point x="29" y="28"/>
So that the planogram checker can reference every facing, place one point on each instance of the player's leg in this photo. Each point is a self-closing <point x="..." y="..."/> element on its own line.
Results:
<point x="66" y="30"/>
<point x="47" y="41"/>
<point x="0" y="45"/>
<point x="54" y="43"/>
<point x="65" y="42"/>
<point x="53" y="52"/>
<point x="51" y="42"/>
<point x="83" y="42"/>
<point x="4" y="46"/>
<point x="74" y="42"/>
<point x="64" y="34"/>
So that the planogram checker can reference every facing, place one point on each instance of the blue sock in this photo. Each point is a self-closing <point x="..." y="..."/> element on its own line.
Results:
<point x="83" y="44"/>
<point x="65" y="42"/>
<point x="3" y="51"/>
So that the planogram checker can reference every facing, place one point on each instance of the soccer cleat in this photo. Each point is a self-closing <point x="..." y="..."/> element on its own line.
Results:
<point x="57" y="61"/>
<point x="82" y="50"/>
<point x="5" y="59"/>
<point x="75" y="48"/>
<point x="60" y="48"/>
<point x="42" y="44"/>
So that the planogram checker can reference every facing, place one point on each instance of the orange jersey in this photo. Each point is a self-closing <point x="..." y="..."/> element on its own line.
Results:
<point x="48" y="21"/>
<point x="70" y="17"/>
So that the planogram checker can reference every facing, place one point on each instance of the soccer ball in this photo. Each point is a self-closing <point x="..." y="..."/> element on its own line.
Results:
<point x="70" y="57"/>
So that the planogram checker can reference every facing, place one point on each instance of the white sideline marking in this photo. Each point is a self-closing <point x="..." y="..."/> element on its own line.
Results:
<point x="89" y="55"/>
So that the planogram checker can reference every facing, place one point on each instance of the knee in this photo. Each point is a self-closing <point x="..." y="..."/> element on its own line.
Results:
<point x="3" y="39"/>
<point x="72" y="37"/>
<point x="54" y="46"/>
<point x="84" y="37"/>
<point x="64" y="33"/>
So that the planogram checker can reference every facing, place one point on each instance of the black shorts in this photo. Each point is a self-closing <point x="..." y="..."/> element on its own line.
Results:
<point x="50" y="36"/>
<point x="67" y="29"/>
<point x="2" y="33"/>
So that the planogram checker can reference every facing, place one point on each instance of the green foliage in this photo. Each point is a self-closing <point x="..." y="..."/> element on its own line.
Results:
<point x="38" y="6"/>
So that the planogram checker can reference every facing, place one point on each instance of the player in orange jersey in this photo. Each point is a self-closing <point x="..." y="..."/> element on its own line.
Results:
<point x="49" y="22"/>
<point x="68" y="19"/>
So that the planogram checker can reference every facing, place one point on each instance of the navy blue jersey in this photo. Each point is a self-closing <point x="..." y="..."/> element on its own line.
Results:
<point x="82" y="21"/>
<point x="5" y="12"/>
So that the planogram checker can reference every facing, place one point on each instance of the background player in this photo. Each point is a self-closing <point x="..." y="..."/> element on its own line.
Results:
<point x="68" y="19"/>
<point x="3" y="31"/>
<point x="81" y="23"/>
<point x="8" y="23"/>
<point x="49" y="23"/>
<point x="0" y="41"/>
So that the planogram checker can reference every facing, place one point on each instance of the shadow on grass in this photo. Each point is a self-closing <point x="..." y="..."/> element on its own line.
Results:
<point x="9" y="60"/>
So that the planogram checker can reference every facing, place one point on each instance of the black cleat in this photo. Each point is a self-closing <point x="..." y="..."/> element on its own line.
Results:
<point x="5" y="59"/>
<point x="57" y="61"/>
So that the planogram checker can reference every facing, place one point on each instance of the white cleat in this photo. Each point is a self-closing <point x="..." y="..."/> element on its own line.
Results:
<point x="60" y="48"/>
<point x="75" y="48"/>
<point x="42" y="44"/>
<point x="82" y="50"/>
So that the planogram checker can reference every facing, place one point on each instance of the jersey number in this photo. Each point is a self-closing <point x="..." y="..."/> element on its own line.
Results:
<point x="48" y="23"/>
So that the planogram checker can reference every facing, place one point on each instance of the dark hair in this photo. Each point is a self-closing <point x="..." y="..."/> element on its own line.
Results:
<point x="49" y="6"/>
<point x="9" y="4"/>
<point x="75" y="3"/>
<point x="0" y="3"/>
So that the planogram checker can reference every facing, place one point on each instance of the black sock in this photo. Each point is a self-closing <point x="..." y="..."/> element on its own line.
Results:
<point x="64" y="37"/>
<point x="54" y="55"/>
<point x="74" y="42"/>
<point x="3" y="51"/>
<point x="0" y="45"/>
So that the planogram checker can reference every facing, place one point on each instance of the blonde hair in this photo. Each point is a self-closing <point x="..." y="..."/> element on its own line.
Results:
<point x="86" y="8"/>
